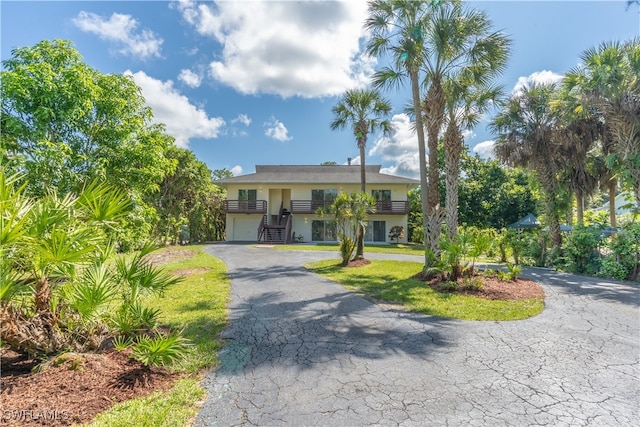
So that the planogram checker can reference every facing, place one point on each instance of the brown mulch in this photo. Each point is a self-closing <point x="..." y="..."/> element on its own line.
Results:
<point x="172" y="255"/>
<point x="74" y="391"/>
<point x="492" y="288"/>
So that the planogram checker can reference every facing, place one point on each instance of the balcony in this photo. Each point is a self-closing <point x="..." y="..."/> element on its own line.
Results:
<point x="386" y="207"/>
<point x="245" y="206"/>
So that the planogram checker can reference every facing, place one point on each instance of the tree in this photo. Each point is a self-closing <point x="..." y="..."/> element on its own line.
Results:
<point x="349" y="213"/>
<point x="365" y="111"/>
<point x="525" y="137"/>
<point x="606" y="85"/>
<point x="188" y="201"/>
<point x="65" y="124"/>
<point x="396" y="30"/>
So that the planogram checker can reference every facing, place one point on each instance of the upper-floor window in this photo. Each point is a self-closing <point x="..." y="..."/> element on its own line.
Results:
<point x="248" y="195"/>
<point x="327" y="196"/>
<point x="381" y="195"/>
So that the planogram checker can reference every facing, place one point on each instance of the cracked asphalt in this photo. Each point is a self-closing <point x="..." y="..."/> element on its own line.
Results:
<point x="303" y="351"/>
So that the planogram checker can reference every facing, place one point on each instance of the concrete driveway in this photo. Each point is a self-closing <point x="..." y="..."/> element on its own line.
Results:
<point x="303" y="351"/>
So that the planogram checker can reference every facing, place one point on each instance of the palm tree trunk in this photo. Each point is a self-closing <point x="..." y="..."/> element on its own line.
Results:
<point x="580" y="206"/>
<point x="434" y="109"/>
<point x="429" y="257"/>
<point x="612" y="201"/>
<point x="363" y="188"/>
<point x="452" y="146"/>
<point x="43" y="295"/>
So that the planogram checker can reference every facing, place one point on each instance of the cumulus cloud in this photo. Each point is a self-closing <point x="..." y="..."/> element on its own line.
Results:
<point x="400" y="148"/>
<point x="276" y="130"/>
<point x="242" y="118"/>
<point x="236" y="170"/>
<point x="122" y="31"/>
<point x="539" y="77"/>
<point x="485" y="149"/>
<point x="307" y="49"/>
<point x="182" y="119"/>
<point x="190" y="78"/>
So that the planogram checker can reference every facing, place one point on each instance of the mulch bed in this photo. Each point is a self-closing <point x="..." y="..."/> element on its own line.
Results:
<point x="66" y="394"/>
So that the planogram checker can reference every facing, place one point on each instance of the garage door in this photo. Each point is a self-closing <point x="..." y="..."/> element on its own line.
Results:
<point x="245" y="229"/>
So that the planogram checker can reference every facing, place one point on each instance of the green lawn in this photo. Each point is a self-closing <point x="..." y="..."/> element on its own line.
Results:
<point x="401" y="248"/>
<point x="197" y="306"/>
<point x="390" y="281"/>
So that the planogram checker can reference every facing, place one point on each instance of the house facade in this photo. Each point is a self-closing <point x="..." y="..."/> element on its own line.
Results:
<point x="278" y="203"/>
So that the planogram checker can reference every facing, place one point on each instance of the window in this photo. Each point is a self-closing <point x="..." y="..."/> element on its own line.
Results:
<point x="247" y="199"/>
<point x="323" y="231"/>
<point x="381" y="195"/>
<point x="322" y="198"/>
<point x="377" y="232"/>
<point x="248" y="195"/>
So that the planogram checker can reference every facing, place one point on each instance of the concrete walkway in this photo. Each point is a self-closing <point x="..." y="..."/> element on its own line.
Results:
<point x="303" y="351"/>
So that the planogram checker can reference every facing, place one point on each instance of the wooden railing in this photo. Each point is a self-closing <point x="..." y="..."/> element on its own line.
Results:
<point x="245" y="206"/>
<point x="387" y="207"/>
<point x="392" y="207"/>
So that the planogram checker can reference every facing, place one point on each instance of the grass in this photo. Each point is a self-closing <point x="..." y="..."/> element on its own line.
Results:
<point x="197" y="306"/>
<point x="390" y="281"/>
<point x="175" y="407"/>
<point x="395" y="248"/>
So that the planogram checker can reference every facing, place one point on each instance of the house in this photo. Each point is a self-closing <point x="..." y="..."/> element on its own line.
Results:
<point x="278" y="203"/>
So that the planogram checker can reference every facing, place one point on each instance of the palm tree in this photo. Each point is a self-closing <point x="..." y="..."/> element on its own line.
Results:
<point x="608" y="87"/>
<point x="365" y="110"/>
<point x="461" y="43"/>
<point x="525" y="137"/>
<point x="396" y="30"/>
<point x="466" y="102"/>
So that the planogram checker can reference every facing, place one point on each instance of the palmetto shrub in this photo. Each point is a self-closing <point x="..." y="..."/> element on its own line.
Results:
<point x="57" y="292"/>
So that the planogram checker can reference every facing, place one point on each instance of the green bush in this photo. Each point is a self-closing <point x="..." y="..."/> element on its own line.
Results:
<point x="612" y="268"/>
<point x="580" y="250"/>
<point x="625" y="247"/>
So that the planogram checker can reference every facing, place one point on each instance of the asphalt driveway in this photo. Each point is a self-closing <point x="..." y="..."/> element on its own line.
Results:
<point x="303" y="351"/>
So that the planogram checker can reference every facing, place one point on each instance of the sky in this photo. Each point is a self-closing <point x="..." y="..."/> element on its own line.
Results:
<point x="242" y="83"/>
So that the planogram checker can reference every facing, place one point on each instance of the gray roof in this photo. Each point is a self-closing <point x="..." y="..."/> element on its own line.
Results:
<point x="299" y="174"/>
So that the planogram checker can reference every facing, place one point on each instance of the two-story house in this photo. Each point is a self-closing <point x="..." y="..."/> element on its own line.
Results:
<point x="278" y="203"/>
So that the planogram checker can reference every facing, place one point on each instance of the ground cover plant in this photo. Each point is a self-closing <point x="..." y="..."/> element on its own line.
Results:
<point x="123" y="390"/>
<point x="396" y="282"/>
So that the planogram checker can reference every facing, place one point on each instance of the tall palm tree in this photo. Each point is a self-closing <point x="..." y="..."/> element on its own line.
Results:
<point x="396" y="30"/>
<point x="466" y="102"/>
<point x="365" y="110"/>
<point x="608" y="87"/>
<point x="461" y="46"/>
<point x="525" y="137"/>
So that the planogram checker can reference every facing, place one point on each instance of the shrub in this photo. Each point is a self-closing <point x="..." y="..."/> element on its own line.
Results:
<point x="580" y="250"/>
<point x="612" y="268"/>
<point x="396" y="233"/>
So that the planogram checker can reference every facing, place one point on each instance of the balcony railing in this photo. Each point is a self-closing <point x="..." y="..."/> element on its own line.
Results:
<point x="387" y="207"/>
<point x="245" y="206"/>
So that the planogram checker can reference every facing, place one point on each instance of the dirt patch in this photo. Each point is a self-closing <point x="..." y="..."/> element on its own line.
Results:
<point x="169" y="256"/>
<point x="358" y="262"/>
<point x="75" y="391"/>
<point x="186" y="272"/>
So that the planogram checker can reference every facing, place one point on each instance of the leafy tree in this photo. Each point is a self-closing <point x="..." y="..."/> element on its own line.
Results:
<point x="365" y="111"/>
<point x="65" y="124"/>
<point x="189" y="199"/>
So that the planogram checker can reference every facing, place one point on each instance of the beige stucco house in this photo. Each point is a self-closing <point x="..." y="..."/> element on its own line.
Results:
<point x="278" y="203"/>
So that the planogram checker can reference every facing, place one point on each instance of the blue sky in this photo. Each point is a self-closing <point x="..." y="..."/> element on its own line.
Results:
<point x="242" y="83"/>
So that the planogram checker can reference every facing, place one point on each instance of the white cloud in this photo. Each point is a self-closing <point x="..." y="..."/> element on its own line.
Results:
<point x="182" y="119"/>
<point x="485" y="149"/>
<point x="276" y="130"/>
<point x="236" y="170"/>
<point x="190" y="78"/>
<point x="540" y="77"/>
<point x="401" y="148"/>
<point x="242" y="118"/>
<point x="121" y="30"/>
<point x="307" y="49"/>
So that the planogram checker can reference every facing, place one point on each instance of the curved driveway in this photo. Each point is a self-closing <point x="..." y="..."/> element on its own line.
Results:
<point x="303" y="351"/>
